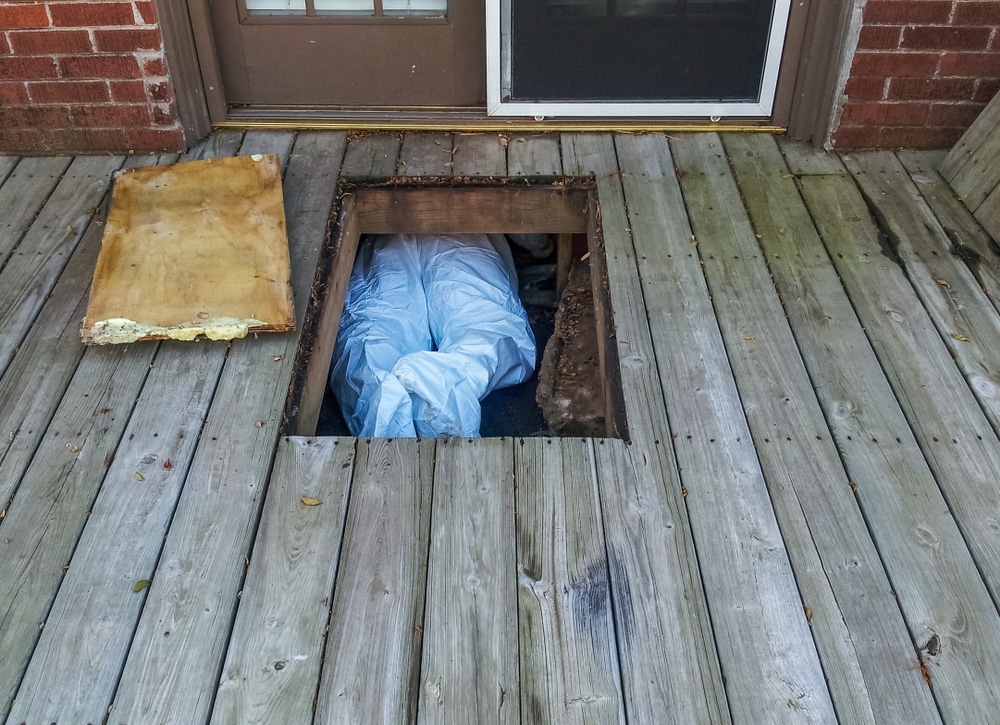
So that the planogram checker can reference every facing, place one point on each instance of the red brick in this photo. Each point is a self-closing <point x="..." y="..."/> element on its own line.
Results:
<point x="976" y="13"/>
<point x="970" y="65"/>
<point x="91" y="14"/>
<point x="110" y="116"/>
<point x="154" y="68"/>
<point x="159" y="92"/>
<point x="27" y="69"/>
<point x="13" y="94"/>
<point x="939" y="38"/>
<point x="128" y="91"/>
<point x="879" y="37"/>
<point x="100" y="66"/>
<point x="77" y="140"/>
<point x="885" y="114"/>
<point x="931" y="89"/>
<point x="151" y="139"/>
<point x="34" y="116"/>
<point x="148" y="12"/>
<point x="986" y="88"/>
<point x="953" y="114"/>
<point x="897" y="12"/>
<point x="127" y="40"/>
<point x="926" y="137"/>
<point x="23" y="16"/>
<point x="163" y="114"/>
<point x="4" y="48"/>
<point x="69" y="92"/>
<point x="21" y="141"/>
<point x="894" y="65"/>
<point x="855" y="137"/>
<point x="51" y="42"/>
<point x="865" y="89"/>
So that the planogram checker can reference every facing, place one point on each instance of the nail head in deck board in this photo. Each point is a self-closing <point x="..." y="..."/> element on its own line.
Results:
<point x="372" y="157"/>
<point x="469" y="668"/>
<point x="761" y="631"/>
<point x="938" y="585"/>
<point x="96" y="608"/>
<point x="864" y="646"/>
<point x="971" y="166"/>
<point x="276" y="649"/>
<point x="478" y="155"/>
<point x="684" y="683"/>
<point x="569" y="671"/>
<point x="372" y="663"/>
<point x="220" y="503"/>
<point x="425" y="154"/>
<point x="32" y="272"/>
<point x="533" y="155"/>
<point x="23" y="195"/>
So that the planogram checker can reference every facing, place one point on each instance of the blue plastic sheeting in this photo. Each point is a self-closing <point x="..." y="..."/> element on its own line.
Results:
<point x="431" y="325"/>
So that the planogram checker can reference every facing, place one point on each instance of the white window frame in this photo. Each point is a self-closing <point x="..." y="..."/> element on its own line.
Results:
<point x="498" y="80"/>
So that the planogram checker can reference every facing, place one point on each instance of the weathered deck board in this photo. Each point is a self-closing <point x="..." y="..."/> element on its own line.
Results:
<point x="988" y="212"/>
<point x="276" y="651"/>
<point x="426" y="154"/>
<point x="803" y="159"/>
<point x="372" y="157"/>
<point x="372" y="670"/>
<point x="7" y="164"/>
<point x="469" y="670"/>
<point x="947" y="606"/>
<point x="751" y="592"/>
<point x="30" y="275"/>
<point x="863" y="642"/>
<point x="971" y="166"/>
<point x="670" y="667"/>
<point x="23" y="195"/>
<point x="194" y="593"/>
<point x="478" y="155"/>
<point x="533" y="154"/>
<point x="569" y="671"/>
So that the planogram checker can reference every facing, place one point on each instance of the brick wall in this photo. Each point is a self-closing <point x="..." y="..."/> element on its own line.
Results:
<point x="78" y="76"/>
<point x="923" y="70"/>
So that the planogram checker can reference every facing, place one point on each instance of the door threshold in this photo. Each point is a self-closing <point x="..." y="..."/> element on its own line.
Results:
<point x="463" y="119"/>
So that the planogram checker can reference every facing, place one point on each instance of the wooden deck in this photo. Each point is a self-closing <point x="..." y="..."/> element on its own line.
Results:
<point x="804" y="526"/>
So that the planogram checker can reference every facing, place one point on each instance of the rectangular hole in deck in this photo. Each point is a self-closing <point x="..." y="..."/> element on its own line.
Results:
<point x="553" y="230"/>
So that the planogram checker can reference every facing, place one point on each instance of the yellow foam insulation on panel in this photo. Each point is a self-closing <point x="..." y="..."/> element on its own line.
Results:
<point x="191" y="249"/>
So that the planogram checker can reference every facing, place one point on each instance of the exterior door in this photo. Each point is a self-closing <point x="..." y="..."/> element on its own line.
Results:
<point x="352" y="53"/>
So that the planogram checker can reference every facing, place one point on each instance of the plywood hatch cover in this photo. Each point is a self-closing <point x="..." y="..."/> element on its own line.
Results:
<point x="192" y="249"/>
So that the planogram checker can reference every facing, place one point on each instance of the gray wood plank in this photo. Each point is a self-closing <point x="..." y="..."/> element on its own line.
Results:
<point x="469" y="670"/>
<point x="425" y="154"/>
<point x="372" y="671"/>
<point x="757" y="614"/>
<point x="195" y="588"/>
<point x="533" y="154"/>
<point x="75" y="667"/>
<point x="864" y="645"/>
<point x="568" y="652"/>
<point x="31" y="273"/>
<point x="276" y="649"/>
<point x="804" y="159"/>
<point x="988" y="213"/>
<point x="968" y="324"/>
<point x="7" y="164"/>
<point x="23" y="195"/>
<point x="981" y="172"/>
<point x="951" y="617"/>
<point x="372" y="156"/>
<point x="966" y="237"/>
<point x="670" y="668"/>
<point x="968" y="151"/>
<point x="478" y="154"/>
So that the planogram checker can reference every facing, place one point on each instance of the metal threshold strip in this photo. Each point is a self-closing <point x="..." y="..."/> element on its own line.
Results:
<point x="438" y="119"/>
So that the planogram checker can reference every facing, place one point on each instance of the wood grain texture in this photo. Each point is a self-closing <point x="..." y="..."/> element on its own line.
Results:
<point x="195" y="589"/>
<point x="23" y="195"/>
<point x="972" y="160"/>
<point x="276" y="651"/>
<point x="533" y="154"/>
<point x="7" y="164"/>
<point x="757" y="614"/>
<point x="75" y="667"/>
<point x="988" y="213"/>
<point x="947" y="606"/>
<point x="866" y="650"/>
<point x="372" y="157"/>
<point x="426" y="154"/>
<point x="803" y="159"/>
<point x="670" y="667"/>
<point x="569" y="667"/>
<point x="479" y="155"/>
<point x="372" y="664"/>
<point x="469" y="670"/>
<point x="30" y="275"/>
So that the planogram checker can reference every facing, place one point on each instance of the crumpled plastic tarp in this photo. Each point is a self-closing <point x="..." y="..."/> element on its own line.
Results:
<point x="431" y="325"/>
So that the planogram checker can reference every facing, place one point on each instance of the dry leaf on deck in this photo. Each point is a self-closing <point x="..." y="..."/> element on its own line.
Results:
<point x="310" y="501"/>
